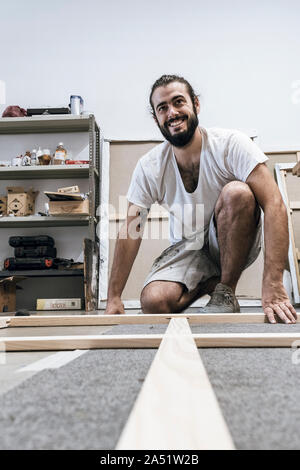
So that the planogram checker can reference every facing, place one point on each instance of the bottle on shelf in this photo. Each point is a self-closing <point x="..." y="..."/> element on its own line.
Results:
<point x="60" y="155"/>
<point x="45" y="158"/>
<point x="26" y="160"/>
<point x="33" y="157"/>
<point x="39" y="154"/>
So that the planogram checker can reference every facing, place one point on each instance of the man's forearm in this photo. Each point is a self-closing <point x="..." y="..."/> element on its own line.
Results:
<point x="125" y="253"/>
<point x="276" y="241"/>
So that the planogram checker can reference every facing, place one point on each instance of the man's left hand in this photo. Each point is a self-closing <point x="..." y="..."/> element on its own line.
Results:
<point x="276" y="303"/>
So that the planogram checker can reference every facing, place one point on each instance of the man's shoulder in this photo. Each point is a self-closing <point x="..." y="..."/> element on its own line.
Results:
<point x="223" y="140"/>
<point x="156" y="158"/>
<point x="220" y="133"/>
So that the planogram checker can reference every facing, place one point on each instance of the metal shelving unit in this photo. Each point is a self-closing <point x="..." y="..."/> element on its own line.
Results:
<point x="53" y="124"/>
<point x="43" y="221"/>
<point x="45" y="124"/>
<point x="57" y="124"/>
<point x="44" y="172"/>
<point x="43" y="273"/>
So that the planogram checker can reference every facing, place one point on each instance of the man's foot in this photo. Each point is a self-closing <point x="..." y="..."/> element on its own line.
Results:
<point x="222" y="300"/>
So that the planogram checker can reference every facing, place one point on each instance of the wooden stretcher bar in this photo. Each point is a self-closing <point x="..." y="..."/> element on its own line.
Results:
<point x="3" y="323"/>
<point x="217" y="340"/>
<point x="105" y="320"/>
<point x="176" y="407"/>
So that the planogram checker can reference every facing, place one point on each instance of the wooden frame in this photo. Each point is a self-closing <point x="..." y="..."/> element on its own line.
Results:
<point x="176" y="407"/>
<point x="106" y="320"/>
<point x="280" y="171"/>
<point x="217" y="340"/>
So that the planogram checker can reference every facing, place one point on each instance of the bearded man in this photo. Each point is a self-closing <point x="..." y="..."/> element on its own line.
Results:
<point x="222" y="173"/>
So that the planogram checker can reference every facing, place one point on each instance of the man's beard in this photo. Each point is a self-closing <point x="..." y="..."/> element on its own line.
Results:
<point x="182" y="138"/>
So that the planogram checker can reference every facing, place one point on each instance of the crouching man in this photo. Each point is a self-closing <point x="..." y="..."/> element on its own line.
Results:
<point x="224" y="172"/>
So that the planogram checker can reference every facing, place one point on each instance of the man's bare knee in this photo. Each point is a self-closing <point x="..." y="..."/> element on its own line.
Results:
<point x="153" y="304"/>
<point x="159" y="299"/>
<point x="236" y="196"/>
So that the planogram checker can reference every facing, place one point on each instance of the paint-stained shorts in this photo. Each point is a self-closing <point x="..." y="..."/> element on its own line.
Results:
<point x="178" y="263"/>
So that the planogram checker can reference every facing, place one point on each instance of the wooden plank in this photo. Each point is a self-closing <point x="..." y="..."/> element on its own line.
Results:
<point x="3" y="323"/>
<point x="281" y="171"/>
<point x="176" y="408"/>
<point x="291" y="232"/>
<point x="103" y="320"/>
<point x="218" y="340"/>
<point x="91" y="263"/>
<point x="296" y="169"/>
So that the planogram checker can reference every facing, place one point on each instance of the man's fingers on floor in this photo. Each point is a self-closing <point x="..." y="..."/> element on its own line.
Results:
<point x="270" y="314"/>
<point x="291" y="308"/>
<point x="288" y="312"/>
<point x="281" y="314"/>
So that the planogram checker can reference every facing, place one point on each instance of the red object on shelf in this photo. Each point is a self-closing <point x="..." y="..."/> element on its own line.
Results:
<point x="77" y="162"/>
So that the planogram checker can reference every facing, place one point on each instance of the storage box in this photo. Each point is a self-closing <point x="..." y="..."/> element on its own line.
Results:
<point x="69" y="207"/>
<point x="3" y="205"/>
<point x="8" y="293"/>
<point x="20" y="202"/>
<point x="58" y="304"/>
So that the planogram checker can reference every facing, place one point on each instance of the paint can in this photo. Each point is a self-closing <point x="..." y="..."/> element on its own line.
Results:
<point x="76" y="104"/>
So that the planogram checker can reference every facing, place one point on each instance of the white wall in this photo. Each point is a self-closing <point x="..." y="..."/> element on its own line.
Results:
<point x="243" y="57"/>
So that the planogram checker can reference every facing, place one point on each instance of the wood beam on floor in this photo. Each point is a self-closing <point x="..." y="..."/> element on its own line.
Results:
<point x="176" y="408"/>
<point x="95" y="320"/>
<point x="216" y="340"/>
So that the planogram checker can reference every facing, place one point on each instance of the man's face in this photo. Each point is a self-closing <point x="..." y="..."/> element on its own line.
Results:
<point x="176" y="114"/>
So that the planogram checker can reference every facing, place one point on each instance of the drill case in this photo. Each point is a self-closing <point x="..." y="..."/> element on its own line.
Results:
<point x="34" y="241"/>
<point x="35" y="252"/>
<point x="14" y="264"/>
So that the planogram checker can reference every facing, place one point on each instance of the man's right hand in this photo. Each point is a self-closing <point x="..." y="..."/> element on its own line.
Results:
<point x="114" y="307"/>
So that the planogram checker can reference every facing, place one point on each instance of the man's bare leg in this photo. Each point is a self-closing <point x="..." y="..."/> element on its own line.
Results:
<point x="236" y="216"/>
<point x="172" y="297"/>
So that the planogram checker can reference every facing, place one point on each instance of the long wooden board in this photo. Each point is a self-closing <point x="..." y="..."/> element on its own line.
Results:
<point x="176" y="408"/>
<point x="3" y="323"/>
<point x="98" y="320"/>
<point x="217" y="340"/>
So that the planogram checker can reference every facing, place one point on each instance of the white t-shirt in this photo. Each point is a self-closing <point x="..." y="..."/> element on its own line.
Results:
<point x="226" y="155"/>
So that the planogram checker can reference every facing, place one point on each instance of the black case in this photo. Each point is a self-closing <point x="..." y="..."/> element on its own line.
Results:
<point x="13" y="264"/>
<point x="39" y="111"/>
<point x="35" y="252"/>
<point x="40" y="240"/>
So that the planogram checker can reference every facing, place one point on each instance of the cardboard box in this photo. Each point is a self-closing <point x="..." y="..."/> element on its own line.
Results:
<point x="69" y="207"/>
<point x="3" y="205"/>
<point x="8" y="293"/>
<point x="58" y="304"/>
<point x="20" y="202"/>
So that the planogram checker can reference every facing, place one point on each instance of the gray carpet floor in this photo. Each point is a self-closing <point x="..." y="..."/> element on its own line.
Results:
<point x="85" y="404"/>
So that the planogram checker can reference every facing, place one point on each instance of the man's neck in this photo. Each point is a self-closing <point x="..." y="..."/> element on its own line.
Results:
<point x="190" y="154"/>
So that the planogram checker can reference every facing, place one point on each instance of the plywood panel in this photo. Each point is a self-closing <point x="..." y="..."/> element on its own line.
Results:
<point x="123" y="159"/>
<point x="280" y="157"/>
<point x="149" y="250"/>
<point x="296" y="227"/>
<point x="250" y="282"/>
<point x="292" y="186"/>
